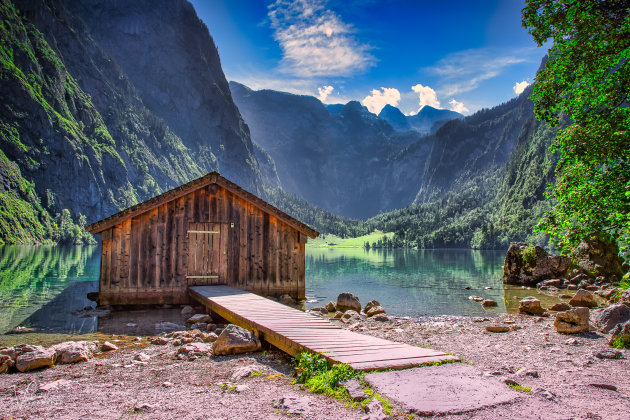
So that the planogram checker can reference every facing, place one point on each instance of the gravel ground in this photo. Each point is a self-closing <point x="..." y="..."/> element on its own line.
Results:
<point x="566" y="378"/>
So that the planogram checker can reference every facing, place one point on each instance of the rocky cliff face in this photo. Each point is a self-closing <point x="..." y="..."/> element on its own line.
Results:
<point x="340" y="160"/>
<point x="105" y="104"/>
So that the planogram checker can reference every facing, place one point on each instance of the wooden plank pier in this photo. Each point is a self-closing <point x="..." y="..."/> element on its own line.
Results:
<point x="294" y="331"/>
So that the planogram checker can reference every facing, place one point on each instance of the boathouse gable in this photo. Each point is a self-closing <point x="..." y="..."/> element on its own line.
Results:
<point x="207" y="232"/>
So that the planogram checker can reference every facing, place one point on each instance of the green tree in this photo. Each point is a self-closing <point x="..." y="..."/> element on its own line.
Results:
<point x="587" y="79"/>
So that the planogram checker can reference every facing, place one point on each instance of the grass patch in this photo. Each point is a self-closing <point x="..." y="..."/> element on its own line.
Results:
<point x="334" y="241"/>
<point x="621" y="342"/>
<point x="623" y="286"/>
<point x="519" y="388"/>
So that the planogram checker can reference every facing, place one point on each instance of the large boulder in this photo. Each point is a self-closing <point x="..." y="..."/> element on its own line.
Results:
<point x="234" y="339"/>
<point x="573" y="321"/>
<point x="348" y="301"/>
<point x="600" y="258"/>
<point x="530" y="305"/>
<point x="33" y="357"/>
<point x="528" y="265"/>
<point x="607" y="319"/>
<point x="583" y="298"/>
<point x="74" y="351"/>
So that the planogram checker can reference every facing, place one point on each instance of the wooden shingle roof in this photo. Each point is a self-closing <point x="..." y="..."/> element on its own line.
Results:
<point x="175" y="193"/>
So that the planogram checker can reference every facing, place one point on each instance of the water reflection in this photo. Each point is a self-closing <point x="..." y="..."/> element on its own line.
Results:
<point x="34" y="286"/>
<point x="407" y="282"/>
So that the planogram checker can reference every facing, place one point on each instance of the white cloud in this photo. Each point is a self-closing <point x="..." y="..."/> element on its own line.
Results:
<point x="315" y="41"/>
<point x="379" y="98"/>
<point x="324" y="91"/>
<point x="519" y="87"/>
<point x="463" y="71"/>
<point x="426" y="96"/>
<point x="458" y="106"/>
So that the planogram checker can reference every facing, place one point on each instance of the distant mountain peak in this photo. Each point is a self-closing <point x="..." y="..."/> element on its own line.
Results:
<point x="394" y="117"/>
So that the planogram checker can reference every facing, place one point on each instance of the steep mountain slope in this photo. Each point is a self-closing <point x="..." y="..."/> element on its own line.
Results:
<point x="338" y="160"/>
<point x="78" y="132"/>
<point x="394" y="117"/>
<point x="430" y="119"/>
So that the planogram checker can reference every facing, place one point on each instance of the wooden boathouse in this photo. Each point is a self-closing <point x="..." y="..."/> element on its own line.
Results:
<point x="209" y="231"/>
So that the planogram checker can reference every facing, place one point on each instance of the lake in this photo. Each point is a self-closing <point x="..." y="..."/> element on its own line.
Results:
<point x="41" y="286"/>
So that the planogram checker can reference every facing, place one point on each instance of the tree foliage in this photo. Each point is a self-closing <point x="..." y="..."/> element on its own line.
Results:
<point x="587" y="78"/>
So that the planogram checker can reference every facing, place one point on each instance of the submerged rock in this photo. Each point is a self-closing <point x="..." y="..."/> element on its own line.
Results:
<point x="488" y="303"/>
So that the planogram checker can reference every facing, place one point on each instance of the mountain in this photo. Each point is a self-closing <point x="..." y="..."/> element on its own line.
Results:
<point x="394" y="117"/>
<point x="430" y="119"/>
<point x="337" y="160"/>
<point x="105" y="104"/>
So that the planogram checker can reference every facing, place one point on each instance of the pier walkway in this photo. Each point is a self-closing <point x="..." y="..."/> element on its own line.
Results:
<point x="294" y="331"/>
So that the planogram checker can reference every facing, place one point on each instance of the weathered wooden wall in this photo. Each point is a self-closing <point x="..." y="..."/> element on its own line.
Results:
<point x="145" y="258"/>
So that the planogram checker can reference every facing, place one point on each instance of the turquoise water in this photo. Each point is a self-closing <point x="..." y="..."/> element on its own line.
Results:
<point x="41" y="286"/>
<point x="407" y="282"/>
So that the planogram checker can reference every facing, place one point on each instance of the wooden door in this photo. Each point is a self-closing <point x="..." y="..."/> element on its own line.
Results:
<point x="207" y="254"/>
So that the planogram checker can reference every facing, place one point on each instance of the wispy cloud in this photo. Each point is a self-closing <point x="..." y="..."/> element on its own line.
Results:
<point x="458" y="106"/>
<point x="323" y="92"/>
<point x="315" y="41"/>
<point x="379" y="98"/>
<point x="464" y="71"/>
<point x="519" y="87"/>
<point x="426" y="96"/>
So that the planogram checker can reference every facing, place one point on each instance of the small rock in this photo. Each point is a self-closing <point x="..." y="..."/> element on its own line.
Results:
<point x="33" y="357"/>
<point x="234" y="339"/>
<point x="167" y="384"/>
<point x="241" y="388"/>
<point x="54" y="385"/>
<point x="527" y="372"/>
<point x="74" y="351"/>
<point x="160" y="341"/>
<point x="573" y="321"/>
<point x="583" y="298"/>
<point x="488" y="287"/>
<point x="475" y="298"/>
<point x="605" y="386"/>
<point x="375" y="411"/>
<point x="187" y="311"/>
<point x="381" y="318"/>
<point x="201" y="326"/>
<point x="195" y="350"/>
<point x="354" y="390"/>
<point x="348" y="301"/>
<point x="165" y="327"/>
<point x="571" y="342"/>
<point x="572" y="287"/>
<point x="286" y="299"/>
<point x="608" y="354"/>
<point x="199" y="318"/>
<point x="142" y="407"/>
<point x="560" y="306"/>
<point x="488" y="303"/>
<point x="565" y="296"/>
<point x="131" y="324"/>
<point x="530" y="305"/>
<point x="369" y="305"/>
<point x="375" y="310"/>
<point x="244" y="372"/>
<point x="142" y="357"/>
<point x="107" y="346"/>
<point x="338" y="315"/>
<point x="293" y="405"/>
<point x="497" y="328"/>
<point x="208" y="337"/>
<point x="331" y="306"/>
<point x="543" y="393"/>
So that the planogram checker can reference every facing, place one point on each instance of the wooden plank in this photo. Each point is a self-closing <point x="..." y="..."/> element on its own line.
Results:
<point x="293" y="331"/>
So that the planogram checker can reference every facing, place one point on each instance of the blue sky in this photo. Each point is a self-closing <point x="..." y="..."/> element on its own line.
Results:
<point x="460" y="55"/>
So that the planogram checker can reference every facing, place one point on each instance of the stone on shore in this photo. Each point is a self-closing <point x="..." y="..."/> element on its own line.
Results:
<point x="371" y="304"/>
<point x="530" y="305"/>
<point x="497" y="328"/>
<point x="348" y="301"/>
<point x="528" y="265"/>
<point x="187" y="311"/>
<point x="355" y="391"/>
<point x="197" y="318"/>
<point x="375" y="310"/>
<point x="6" y="363"/>
<point x="607" y="319"/>
<point x="560" y="307"/>
<point x="107" y="346"/>
<point x="583" y="298"/>
<point x="286" y="299"/>
<point x="74" y="351"/>
<point x="573" y="321"/>
<point x="195" y="350"/>
<point x="33" y="357"/>
<point x="234" y="339"/>
<point x="331" y="306"/>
